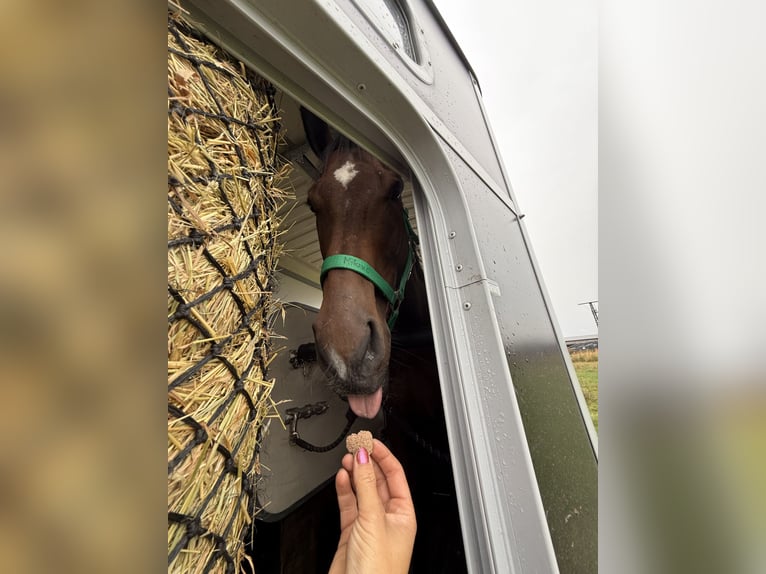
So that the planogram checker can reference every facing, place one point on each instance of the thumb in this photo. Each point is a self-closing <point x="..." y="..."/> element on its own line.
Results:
<point x="365" y="485"/>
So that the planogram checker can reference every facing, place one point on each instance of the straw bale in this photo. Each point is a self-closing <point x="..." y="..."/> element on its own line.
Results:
<point x="224" y="180"/>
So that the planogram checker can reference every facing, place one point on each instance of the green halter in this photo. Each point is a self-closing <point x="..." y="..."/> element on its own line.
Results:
<point x="360" y="266"/>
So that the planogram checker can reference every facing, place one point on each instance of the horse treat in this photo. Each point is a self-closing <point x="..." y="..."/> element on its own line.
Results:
<point x="355" y="441"/>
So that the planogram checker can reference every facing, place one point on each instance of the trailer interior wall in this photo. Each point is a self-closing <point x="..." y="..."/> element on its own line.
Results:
<point x="523" y="449"/>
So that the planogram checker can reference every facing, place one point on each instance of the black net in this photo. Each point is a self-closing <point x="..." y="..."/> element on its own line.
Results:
<point x="223" y="173"/>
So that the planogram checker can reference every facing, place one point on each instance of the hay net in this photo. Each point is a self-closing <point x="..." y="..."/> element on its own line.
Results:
<point x="223" y="196"/>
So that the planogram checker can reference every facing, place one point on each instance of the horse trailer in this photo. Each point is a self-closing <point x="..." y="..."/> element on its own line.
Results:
<point x="388" y="75"/>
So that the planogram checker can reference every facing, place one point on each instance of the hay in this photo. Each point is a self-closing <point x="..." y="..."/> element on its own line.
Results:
<point x="223" y="196"/>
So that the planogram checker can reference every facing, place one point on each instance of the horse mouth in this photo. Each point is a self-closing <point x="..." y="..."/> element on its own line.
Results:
<point x="362" y="383"/>
<point x="366" y="406"/>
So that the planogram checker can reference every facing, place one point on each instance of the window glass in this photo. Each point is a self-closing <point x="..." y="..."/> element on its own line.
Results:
<point x="392" y="22"/>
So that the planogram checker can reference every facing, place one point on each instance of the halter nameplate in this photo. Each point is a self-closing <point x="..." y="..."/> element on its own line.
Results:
<point x="360" y="266"/>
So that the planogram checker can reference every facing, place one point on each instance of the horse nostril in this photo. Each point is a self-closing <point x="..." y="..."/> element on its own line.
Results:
<point x="375" y="347"/>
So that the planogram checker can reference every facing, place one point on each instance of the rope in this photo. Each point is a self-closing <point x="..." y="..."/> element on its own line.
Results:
<point x="298" y="441"/>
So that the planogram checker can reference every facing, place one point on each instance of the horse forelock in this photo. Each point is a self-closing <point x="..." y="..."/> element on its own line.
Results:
<point x="340" y="144"/>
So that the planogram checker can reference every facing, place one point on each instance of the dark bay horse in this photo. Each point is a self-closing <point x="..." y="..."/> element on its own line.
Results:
<point x="373" y="331"/>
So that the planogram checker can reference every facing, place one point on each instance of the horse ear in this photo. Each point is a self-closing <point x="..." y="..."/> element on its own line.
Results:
<point x="317" y="132"/>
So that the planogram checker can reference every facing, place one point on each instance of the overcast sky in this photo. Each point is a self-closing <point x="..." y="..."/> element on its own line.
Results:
<point x="537" y="64"/>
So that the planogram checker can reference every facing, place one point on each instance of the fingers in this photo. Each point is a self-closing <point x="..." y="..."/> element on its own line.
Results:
<point x="346" y="500"/>
<point x="390" y="480"/>
<point x="392" y="470"/>
<point x="365" y="484"/>
<point x="348" y="463"/>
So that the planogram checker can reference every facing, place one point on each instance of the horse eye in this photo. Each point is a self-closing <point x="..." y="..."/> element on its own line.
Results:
<point x="396" y="191"/>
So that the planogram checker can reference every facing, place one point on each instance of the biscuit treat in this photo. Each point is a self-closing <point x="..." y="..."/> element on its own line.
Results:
<point x="355" y="441"/>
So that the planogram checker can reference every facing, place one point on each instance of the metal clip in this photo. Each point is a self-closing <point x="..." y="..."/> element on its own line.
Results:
<point x="306" y="411"/>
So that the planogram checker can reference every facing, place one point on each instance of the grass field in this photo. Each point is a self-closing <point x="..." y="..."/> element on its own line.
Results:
<point x="586" y="367"/>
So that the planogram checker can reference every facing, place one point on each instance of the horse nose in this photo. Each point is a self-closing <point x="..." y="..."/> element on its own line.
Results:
<point x="353" y="351"/>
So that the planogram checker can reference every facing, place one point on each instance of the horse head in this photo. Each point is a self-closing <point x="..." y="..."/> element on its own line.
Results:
<point x="366" y="242"/>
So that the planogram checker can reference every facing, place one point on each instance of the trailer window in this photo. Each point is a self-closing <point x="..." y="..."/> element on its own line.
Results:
<point x="391" y="20"/>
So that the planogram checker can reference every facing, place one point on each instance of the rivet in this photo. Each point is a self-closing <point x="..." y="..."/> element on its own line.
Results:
<point x="467" y="305"/>
<point x="361" y="87"/>
<point x="452" y="234"/>
<point x="458" y="267"/>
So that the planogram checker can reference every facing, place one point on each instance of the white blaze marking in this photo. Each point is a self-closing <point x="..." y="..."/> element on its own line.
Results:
<point x="345" y="174"/>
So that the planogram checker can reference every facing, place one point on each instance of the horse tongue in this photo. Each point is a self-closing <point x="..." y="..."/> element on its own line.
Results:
<point x="366" y="406"/>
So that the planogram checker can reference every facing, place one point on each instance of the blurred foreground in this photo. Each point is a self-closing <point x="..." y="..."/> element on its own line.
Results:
<point x="82" y="325"/>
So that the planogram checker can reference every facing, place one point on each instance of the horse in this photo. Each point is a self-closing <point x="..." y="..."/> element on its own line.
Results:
<point x="373" y="331"/>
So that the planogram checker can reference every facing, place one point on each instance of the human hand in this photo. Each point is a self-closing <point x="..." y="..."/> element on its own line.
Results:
<point x="377" y="518"/>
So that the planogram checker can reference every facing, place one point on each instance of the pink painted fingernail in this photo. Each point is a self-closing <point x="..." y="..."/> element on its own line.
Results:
<point x="361" y="456"/>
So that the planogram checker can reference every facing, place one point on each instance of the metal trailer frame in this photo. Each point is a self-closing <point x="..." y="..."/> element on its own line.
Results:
<point x="524" y="450"/>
